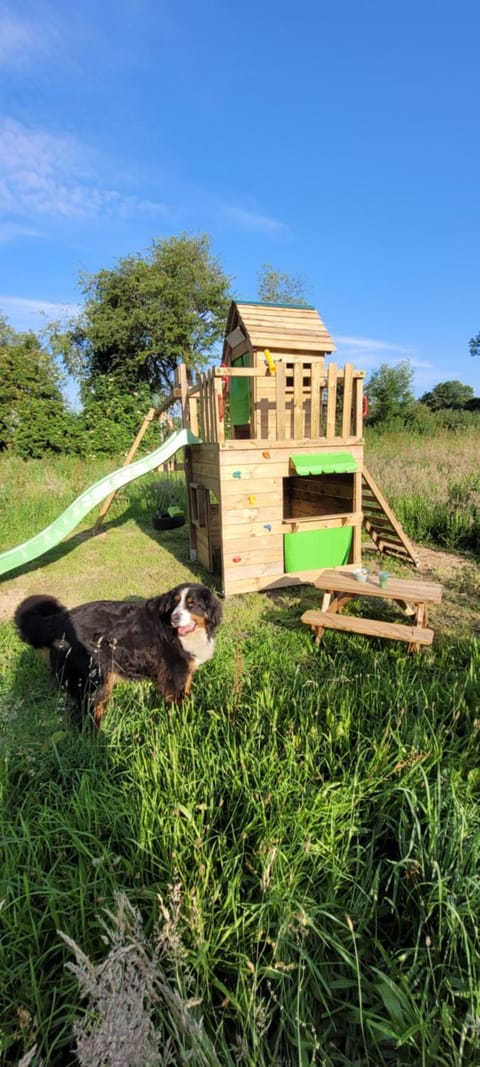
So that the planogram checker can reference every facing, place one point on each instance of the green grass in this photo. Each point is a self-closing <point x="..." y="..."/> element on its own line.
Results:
<point x="432" y="484"/>
<point x="284" y="871"/>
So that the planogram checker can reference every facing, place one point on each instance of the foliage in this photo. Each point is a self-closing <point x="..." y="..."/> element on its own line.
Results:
<point x="144" y="317"/>
<point x="457" y="420"/>
<point x="451" y="394"/>
<point x="389" y="391"/>
<point x="474" y="345"/>
<point x="33" y="414"/>
<point x="111" y="418"/>
<point x="277" y="287"/>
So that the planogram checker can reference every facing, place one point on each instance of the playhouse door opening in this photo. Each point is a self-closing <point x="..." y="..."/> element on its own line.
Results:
<point x="317" y="496"/>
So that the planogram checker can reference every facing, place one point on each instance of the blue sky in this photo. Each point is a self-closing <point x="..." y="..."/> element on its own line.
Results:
<point x="337" y="141"/>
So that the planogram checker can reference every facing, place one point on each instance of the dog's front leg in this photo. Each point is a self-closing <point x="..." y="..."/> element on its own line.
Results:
<point x="175" y="686"/>
<point x="101" y="699"/>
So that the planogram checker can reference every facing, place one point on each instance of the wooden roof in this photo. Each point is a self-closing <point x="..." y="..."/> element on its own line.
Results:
<point x="281" y="327"/>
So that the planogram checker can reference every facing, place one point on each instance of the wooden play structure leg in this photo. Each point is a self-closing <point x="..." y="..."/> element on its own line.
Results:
<point x="332" y="603"/>
<point x="420" y="619"/>
<point x="128" y="459"/>
<point x="179" y="393"/>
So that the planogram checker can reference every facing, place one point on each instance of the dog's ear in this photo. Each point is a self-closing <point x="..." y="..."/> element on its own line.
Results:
<point x="165" y="603"/>
<point x="214" y="612"/>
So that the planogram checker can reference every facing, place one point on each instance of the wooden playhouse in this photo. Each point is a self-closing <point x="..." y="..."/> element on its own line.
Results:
<point x="278" y="488"/>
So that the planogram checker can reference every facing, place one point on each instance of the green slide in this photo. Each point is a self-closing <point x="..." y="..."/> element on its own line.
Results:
<point x="66" y="522"/>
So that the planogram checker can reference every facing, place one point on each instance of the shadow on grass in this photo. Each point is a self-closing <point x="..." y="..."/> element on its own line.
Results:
<point x="173" y="541"/>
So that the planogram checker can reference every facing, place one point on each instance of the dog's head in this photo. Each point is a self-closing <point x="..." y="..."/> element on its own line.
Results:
<point x="188" y="607"/>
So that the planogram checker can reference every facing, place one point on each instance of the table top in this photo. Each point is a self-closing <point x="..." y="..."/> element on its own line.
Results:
<point x="344" y="581"/>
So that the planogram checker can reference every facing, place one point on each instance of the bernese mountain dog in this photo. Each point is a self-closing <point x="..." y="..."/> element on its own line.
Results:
<point x="89" y="648"/>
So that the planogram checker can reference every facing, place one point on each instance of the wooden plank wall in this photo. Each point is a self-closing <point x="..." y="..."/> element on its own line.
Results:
<point x="303" y="402"/>
<point x="252" y="514"/>
<point x="203" y="479"/>
<point x="299" y="402"/>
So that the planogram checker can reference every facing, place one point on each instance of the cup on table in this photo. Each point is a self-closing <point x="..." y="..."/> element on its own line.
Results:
<point x="383" y="577"/>
<point x="360" y="574"/>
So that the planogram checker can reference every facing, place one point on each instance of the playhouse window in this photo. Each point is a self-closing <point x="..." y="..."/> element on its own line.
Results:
<point x="317" y="495"/>
<point x="198" y="504"/>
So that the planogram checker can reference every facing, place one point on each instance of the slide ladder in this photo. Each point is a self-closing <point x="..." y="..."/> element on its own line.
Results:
<point x="381" y="523"/>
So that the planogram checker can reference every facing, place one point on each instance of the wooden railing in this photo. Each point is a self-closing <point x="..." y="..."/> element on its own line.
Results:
<point x="301" y="400"/>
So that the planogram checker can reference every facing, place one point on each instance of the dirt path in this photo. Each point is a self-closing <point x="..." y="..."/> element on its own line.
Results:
<point x="459" y="577"/>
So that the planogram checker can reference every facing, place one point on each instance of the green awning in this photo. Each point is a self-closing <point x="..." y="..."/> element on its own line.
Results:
<point x="324" y="463"/>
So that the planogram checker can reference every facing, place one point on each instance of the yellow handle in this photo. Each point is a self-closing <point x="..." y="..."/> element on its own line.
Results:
<point x="271" y="365"/>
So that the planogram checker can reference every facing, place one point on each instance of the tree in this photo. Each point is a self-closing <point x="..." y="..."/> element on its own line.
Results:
<point x="143" y="318"/>
<point x="474" y="345"/>
<point x="33" y="415"/>
<point x="110" y="419"/>
<point x="276" y="287"/>
<point x="389" y="392"/>
<point x="451" y="394"/>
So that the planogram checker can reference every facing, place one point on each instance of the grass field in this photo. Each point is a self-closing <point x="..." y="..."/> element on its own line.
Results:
<point x="285" y="871"/>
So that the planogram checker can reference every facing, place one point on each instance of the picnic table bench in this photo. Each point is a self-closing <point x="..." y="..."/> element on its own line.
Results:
<point x="412" y="596"/>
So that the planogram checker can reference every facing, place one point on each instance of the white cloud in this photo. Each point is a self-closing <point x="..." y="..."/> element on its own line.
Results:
<point x="422" y="364"/>
<point x="368" y="353"/>
<point x="25" y="313"/>
<point x="372" y="345"/>
<point x="10" y="231"/>
<point x="25" y="37"/>
<point x="48" y="174"/>
<point x="249" y="220"/>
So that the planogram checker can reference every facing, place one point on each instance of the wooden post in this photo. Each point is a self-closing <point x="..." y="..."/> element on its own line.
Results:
<point x="331" y="400"/>
<point x="217" y="386"/>
<point x="128" y="459"/>
<point x="356" y="550"/>
<point x="358" y="404"/>
<point x="298" y="427"/>
<point x="193" y="414"/>
<point x="315" y="405"/>
<point x="181" y="377"/>
<point x="280" y="388"/>
<point x="347" y="400"/>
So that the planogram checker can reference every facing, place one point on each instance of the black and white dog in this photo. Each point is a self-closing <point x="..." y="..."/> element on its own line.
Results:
<point x="89" y="648"/>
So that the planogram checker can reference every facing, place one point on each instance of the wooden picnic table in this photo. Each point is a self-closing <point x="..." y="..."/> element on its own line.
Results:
<point x="412" y="596"/>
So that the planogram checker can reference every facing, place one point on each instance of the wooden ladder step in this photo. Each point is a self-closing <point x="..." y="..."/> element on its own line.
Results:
<point x="372" y="627"/>
<point x="377" y="513"/>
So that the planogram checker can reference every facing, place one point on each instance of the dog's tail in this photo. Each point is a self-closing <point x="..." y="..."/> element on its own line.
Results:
<point x="40" y="620"/>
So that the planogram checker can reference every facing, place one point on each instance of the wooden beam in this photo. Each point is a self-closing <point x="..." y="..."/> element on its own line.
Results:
<point x="369" y="627"/>
<point x="128" y="459"/>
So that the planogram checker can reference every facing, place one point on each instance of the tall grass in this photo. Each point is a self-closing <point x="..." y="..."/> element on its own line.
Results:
<point x="315" y="820"/>
<point x="432" y="483"/>
<point x="284" y="871"/>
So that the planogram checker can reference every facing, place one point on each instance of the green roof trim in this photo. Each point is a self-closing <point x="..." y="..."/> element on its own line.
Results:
<point x="324" y="463"/>
<point x="272" y="304"/>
